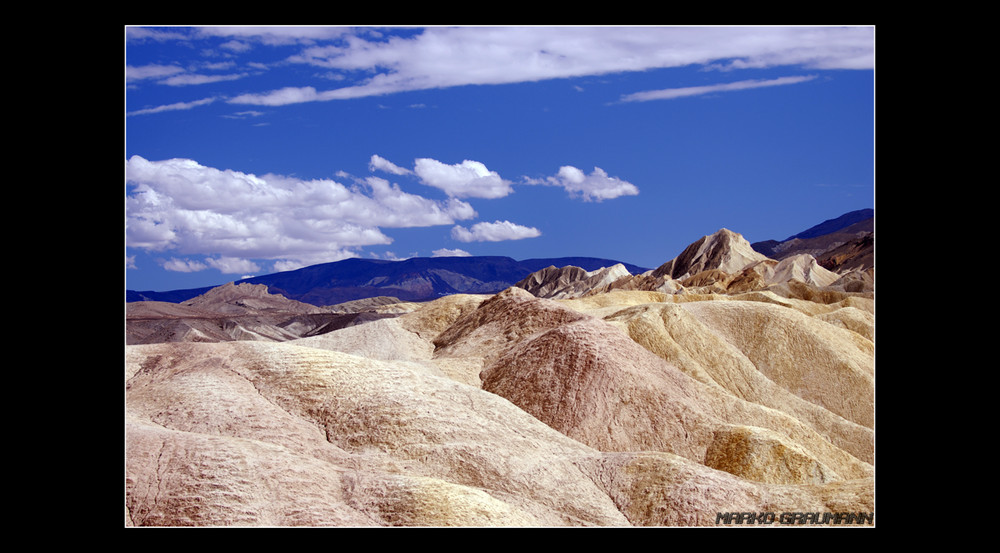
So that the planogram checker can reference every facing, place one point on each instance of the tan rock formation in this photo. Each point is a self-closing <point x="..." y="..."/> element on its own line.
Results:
<point x="567" y="282"/>
<point x="275" y="434"/>
<point x="721" y="383"/>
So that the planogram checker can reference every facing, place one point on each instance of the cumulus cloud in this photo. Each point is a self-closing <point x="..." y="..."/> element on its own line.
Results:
<point x="183" y="265"/>
<point x="671" y="93"/>
<point x="595" y="187"/>
<point x="493" y="232"/>
<point x="469" y="179"/>
<point x="182" y="206"/>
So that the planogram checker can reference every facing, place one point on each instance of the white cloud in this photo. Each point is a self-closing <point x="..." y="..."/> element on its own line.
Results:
<point x="445" y="252"/>
<point x="182" y="206"/>
<point x="193" y="79"/>
<point x="276" y="36"/>
<point x="236" y="46"/>
<point x="152" y="71"/>
<point x="391" y="256"/>
<point x="671" y="93"/>
<point x="232" y="265"/>
<point x="441" y="57"/>
<point x="493" y="232"/>
<point x="173" y="107"/>
<point x="183" y="265"/>
<point x="284" y="96"/>
<point x="379" y="163"/>
<point x="597" y="186"/>
<point x="469" y="179"/>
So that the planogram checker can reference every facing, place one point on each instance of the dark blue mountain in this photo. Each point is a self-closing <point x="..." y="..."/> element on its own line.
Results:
<point x="775" y="249"/>
<point x="833" y="225"/>
<point x="415" y="279"/>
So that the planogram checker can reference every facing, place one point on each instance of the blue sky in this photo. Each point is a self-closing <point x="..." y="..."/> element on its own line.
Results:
<point x="253" y="150"/>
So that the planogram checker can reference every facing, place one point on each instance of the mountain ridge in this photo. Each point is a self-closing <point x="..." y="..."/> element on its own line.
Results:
<point x="822" y="238"/>
<point x="414" y="279"/>
<point x="832" y="225"/>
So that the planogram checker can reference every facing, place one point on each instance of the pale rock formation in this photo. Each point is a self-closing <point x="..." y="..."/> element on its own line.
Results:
<point x="724" y="250"/>
<point x="499" y="323"/>
<point x="763" y="456"/>
<point x="276" y="434"/>
<point x="676" y="334"/>
<point x="803" y="268"/>
<point x="570" y="281"/>
<point x="744" y="384"/>
<point x="591" y="382"/>
<point x="384" y="339"/>
<point x="247" y="298"/>
<point x="817" y="361"/>
<point x="250" y="433"/>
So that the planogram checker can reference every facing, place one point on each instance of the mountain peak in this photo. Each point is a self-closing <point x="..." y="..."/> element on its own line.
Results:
<point x="725" y="250"/>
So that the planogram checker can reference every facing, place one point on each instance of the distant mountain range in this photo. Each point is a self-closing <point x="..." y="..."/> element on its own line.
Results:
<point x="838" y="245"/>
<point x="415" y="279"/>
<point x="319" y="299"/>
<point x="844" y="228"/>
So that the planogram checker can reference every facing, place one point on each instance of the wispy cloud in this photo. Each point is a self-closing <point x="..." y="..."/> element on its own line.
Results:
<point x="446" y="57"/>
<point x="672" y="93"/>
<point x="370" y="63"/>
<point x="196" y="79"/>
<point x="172" y="107"/>
<point x="152" y="71"/>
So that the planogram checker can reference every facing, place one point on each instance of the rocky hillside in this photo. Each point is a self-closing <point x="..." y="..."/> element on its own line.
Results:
<point x="721" y="383"/>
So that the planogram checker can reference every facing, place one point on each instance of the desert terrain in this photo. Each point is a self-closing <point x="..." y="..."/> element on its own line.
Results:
<point x="723" y="388"/>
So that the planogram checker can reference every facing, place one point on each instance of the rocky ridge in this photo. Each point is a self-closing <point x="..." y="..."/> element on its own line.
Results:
<point x="721" y="263"/>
